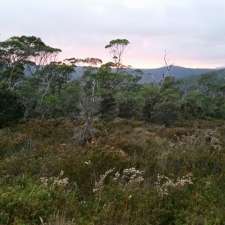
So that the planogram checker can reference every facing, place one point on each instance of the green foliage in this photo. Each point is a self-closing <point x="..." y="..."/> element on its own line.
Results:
<point x="129" y="172"/>
<point x="23" y="47"/>
<point x="162" y="105"/>
<point x="195" y="105"/>
<point x="117" y="42"/>
<point x="29" y="202"/>
<point x="128" y="108"/>
<point x="165" y="113"/>
<point x="46" y="90"/>
<point x="117" y="48"/>
<point x="108" y="107"/>
<point x="33" y="187"/>
<point x="11" y="108"/>
<point x="17" y="53"/>
<point x="25" y="203"/>
<point x="151" y="96"/>
<point x="55" y="75"/>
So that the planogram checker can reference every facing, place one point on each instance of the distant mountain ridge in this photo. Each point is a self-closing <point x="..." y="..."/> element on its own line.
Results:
<point x="155" y="75"/>
<point x="178" y="72"/>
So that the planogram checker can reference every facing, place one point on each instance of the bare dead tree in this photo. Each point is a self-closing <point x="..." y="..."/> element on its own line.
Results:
<point x="89" y="107"/>
<point x="89" y="102"/>
<point x="168" y="68"/>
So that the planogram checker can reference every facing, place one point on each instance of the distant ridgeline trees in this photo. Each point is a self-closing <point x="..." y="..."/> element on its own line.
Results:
<point x="33" y="84"/>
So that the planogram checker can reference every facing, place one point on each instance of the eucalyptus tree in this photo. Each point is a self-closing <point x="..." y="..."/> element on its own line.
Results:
<point x="51" y="79"/>
<point x="53" y="76"/>
<point x="17" y="53"/>
<point x="117" y="48"/>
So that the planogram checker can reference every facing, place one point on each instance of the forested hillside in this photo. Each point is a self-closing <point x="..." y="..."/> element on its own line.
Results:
<point x="107" y="148"/>
<point x="155" y="75"/>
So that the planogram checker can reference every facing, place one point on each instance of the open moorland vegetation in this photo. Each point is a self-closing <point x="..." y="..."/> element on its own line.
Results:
<point x="105" y="148"/>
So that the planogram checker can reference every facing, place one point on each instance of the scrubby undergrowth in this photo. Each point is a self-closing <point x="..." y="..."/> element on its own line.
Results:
<point x="132" y="173"/>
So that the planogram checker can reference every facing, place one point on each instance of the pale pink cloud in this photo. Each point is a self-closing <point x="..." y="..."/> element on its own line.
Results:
<point x="191" y="31"/>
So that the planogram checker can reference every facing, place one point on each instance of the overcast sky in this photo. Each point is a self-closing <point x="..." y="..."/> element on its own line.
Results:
<point x="191" y="31"/>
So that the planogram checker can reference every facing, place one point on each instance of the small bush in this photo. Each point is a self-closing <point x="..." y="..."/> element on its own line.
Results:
<point x="11" y="109"/>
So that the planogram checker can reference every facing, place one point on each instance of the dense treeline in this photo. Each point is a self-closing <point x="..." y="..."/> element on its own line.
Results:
<point x="41" y="87"/>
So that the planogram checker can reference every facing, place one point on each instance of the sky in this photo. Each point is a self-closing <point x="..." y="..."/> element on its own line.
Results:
<point x="192" y="32"/>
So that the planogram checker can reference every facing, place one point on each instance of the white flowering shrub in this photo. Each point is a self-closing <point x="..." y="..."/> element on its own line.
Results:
<point x="100" y="183"/>
<point x="59" y="181"/>
<point x="164" y="183"/>
<point x="129" y="176"/>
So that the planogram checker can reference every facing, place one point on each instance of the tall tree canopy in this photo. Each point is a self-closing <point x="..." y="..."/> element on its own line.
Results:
<point x="18" y="52"/>
<point x="116" y="48"/>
